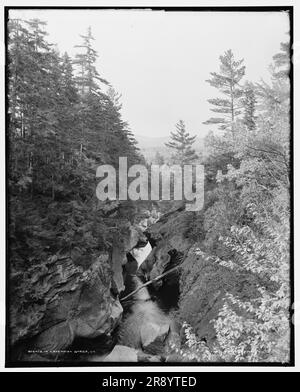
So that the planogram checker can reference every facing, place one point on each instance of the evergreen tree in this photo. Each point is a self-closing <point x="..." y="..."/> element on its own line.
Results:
<point x="281" y="59"/>
<point x="227" y="81"/>
<point x="91" y="99"/>
<point x="33" y="79"/>
<point x="120" y="140"/>
<point x="68" y="105"/>
<point x="51" y="167"/>
<point x="159" y="158"/>
<point x="88" y="77"/>
<point x="249" y="102"/>
<point x="17" y="46"/>
<point x="181" y="143"/>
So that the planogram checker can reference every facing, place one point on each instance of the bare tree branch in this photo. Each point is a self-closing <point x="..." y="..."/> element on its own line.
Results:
<point x="150" y="282"/>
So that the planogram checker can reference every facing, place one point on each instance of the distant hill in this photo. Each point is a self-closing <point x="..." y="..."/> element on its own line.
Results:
<point x="149" y="146"/>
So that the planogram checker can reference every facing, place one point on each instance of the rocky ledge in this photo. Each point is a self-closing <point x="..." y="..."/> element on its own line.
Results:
<point x="203" y="283"/>
<point x="59" y="300"/>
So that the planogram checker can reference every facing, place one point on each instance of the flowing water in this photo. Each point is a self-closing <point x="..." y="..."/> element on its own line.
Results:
<point x="142" y="315"/>
<point x="140" y="254"/>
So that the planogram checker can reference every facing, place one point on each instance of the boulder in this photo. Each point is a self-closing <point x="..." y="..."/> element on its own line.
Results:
<point x="132" y="237"/>
<point x="56" y="338"/>
<point x="122" y="354"/>
<point x="169" y="246"/>
<point x="118" y="259"/>
<point x="173" y="341"/>
<point x="63" y="301"/>
<point x="153" y="337"/>
<point x="66" y="297"/>
<point x="145" y="357"/>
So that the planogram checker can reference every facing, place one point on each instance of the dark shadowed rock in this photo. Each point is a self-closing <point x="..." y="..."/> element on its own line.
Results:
<point x="73" y="303"/>
<point x="169" y="243"/>
<point x="58" y="337"/>
<point x="59" y="300"/>
<point x="145" y="357"/>
<point x="132" y="237"/>
<point x="203" y="283"/>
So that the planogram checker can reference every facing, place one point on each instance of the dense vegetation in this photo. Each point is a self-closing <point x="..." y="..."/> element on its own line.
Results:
<point x="181" y="143"/>
<point x="245" y="225"/>
<point x="62" y="126"/>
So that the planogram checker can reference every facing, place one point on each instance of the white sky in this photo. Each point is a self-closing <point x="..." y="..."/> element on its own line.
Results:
<point x="159" y="61"/>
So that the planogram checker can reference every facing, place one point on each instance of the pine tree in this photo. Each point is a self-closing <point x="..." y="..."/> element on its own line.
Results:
<point x="249" y="103"/>
<point x="33" y="80"/>
<point x="228" y="83"/>
<point x="41" y="63"/>
<point x="181" y="143"/>
<point x="281" y="67"/>
<point x="159" y="158"/>
<point x="92" y="99"/>
<point x="120" y="140"/>
<point x="29" y="62"/>
<point x="67" y="112"/>
<point x="52" y="185"/>
<point x="88" y="77"/>
<point x="17" y="45"/>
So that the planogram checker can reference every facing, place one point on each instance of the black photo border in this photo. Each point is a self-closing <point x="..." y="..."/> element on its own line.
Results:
<point x="38" y="364"/>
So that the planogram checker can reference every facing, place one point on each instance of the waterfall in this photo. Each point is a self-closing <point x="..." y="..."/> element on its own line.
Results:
<point x="140" y="254"/>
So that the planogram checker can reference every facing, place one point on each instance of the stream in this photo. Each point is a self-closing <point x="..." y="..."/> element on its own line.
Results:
<point x="145" y="327"/>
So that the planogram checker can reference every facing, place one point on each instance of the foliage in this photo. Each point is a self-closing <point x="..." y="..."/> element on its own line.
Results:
<point x="227" y="81"/>
<point x="181" y="143"/>
<point x="249" y="104"/>
<point x="245" y="232"/>
<point x="62" y="126"/>
<point x="257" y="330"/>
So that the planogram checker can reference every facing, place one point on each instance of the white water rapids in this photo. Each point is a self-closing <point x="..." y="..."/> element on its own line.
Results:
<point x="140" y="254"/>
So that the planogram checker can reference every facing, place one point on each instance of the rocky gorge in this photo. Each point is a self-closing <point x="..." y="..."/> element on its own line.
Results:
<point x="59" y="301"/>
<point x="88" y="313"/>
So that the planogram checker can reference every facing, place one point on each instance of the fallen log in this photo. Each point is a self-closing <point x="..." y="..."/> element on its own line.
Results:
<point x="150" y="282"/>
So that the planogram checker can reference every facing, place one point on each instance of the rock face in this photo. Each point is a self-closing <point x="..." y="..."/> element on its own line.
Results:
<point x="132" y="238"/>
<point x="153" y="337"/>
<point x="169" y="245"/>
<point x="203" y="284"/>
<point x="58" y="300"/>
<point x="72" y="302"/>
<point x="144" y="357"/>
<point x="126" y="354"/>
<point x="122" y="354"/>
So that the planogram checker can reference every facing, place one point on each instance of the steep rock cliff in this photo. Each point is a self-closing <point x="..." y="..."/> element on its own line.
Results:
<point x="203" y="283"/>
<point x="59" y="299"/>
